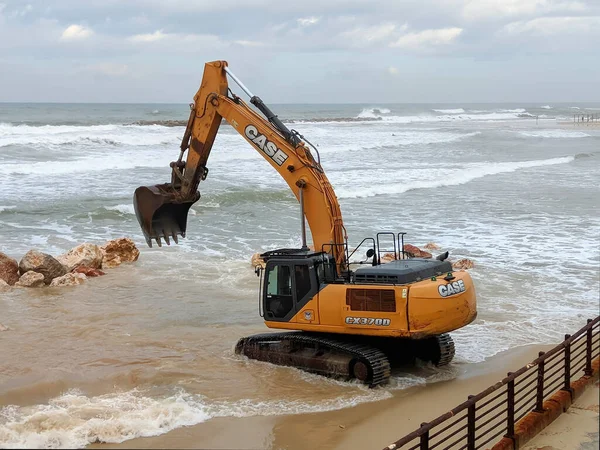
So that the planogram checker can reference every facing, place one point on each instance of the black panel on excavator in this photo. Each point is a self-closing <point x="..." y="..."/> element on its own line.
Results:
<point x="403" y="271"/>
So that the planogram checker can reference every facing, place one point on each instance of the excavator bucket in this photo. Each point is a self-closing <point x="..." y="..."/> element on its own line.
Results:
<point x="161" y="213"/>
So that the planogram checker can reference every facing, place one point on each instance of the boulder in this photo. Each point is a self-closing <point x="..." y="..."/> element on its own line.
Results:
<point x="41" y="263"/>
<point x="386" y="257"/>
<point x="4" y="327"/>
<point x="31" y="279"/>
<point x="257" y="261"/>
<point x="4" y="286"/>
<point x="119" y="251"/>
<point x="70" y="279"/>
<point x="88" y="271"/>
<point x="416" y="251"/>
<point x="431" y="246"/>
<point x="9" y="269"/>
<point x="463" y="264"/>
<point x="84" y="255"/>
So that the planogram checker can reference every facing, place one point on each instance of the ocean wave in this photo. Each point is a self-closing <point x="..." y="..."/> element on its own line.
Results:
<point x="122" y="208"/>
<point x="454" y="177"/>
<point x="559" y="134"/>
<point x="450" y="111"/>
<point x="6" y="208"/>
<point x="98" y="135"/>
<point x="517" y="110"/>
<point x="74" y="420"/>
<point x="546" y="107"/>
<point x="81" y="165"/>
<point x="372" y="113"/>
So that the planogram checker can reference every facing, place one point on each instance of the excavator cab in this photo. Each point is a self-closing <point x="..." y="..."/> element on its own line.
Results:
<point x="292" y="278"/>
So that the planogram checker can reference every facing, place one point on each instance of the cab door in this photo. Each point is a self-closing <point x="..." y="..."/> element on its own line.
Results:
<point x="279" y="305"/>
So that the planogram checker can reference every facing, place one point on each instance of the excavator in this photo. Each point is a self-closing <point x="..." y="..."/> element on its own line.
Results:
<point x="343" y="319"/>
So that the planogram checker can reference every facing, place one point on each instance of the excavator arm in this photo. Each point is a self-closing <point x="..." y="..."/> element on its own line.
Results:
<point x="162" y="209"/>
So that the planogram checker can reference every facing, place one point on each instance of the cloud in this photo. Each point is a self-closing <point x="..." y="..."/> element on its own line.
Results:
<point x="308" y="21"/>
<point x="548" y="26"/>
<point x="158" y="35"/>
<point x="245" y="43"/>
<point x="76" y="33"/>
<point x="393" y="70"/>
<point x="428" y="38"/>
<point x="365" y="36"/>
<point x="483" y="9"/>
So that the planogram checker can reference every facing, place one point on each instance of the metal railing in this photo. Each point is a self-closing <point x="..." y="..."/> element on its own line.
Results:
<point x="492" y="414"/>
<point x="586" y="118"/>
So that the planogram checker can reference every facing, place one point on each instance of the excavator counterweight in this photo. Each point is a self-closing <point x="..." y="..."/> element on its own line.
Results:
<point x="350" y="324"/>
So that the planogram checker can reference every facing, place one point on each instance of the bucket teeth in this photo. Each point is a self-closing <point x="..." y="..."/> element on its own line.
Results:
<point x="158" y="241"/>
<point x="166" y="238"/>
<point x="148" y="241"/>
<point x="175" y="238"/>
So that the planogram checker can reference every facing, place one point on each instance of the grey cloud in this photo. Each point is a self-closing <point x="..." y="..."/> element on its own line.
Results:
<point x="154" y="50"/>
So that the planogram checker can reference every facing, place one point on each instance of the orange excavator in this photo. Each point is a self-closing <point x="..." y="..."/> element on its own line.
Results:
<point x="350" y="320"/>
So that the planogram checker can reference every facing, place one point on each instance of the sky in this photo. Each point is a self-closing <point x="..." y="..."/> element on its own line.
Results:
<point x="302" y="51"/>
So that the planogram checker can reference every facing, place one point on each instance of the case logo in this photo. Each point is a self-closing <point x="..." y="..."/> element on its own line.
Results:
<point x="269" y="148"/>
<point x="451" y="288"/>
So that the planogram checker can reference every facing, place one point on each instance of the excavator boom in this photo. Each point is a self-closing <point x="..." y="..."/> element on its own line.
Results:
<point x="162" y="209"/>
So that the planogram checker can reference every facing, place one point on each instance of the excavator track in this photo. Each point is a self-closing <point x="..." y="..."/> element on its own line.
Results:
<point x="321" y="354"/>
<point x="439" y="350"/>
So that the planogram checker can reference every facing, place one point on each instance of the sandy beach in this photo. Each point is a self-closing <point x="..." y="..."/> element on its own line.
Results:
<point x="368" y="425"/>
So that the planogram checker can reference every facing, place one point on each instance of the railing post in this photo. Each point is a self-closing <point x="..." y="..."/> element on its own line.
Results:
<point x="471" y="425"/>
<point x="424" y="439"/>
<point x="567" y="386"/>
<point x="539" y="403"/>
<point x="510" y="418"/>
<point x="588" y="351"/>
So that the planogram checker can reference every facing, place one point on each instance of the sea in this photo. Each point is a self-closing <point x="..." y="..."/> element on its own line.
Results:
<point x="150" y="346"/>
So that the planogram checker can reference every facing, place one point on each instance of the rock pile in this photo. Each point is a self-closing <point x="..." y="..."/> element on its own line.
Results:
<point x="37" y="269"/>
<point x="412" y="251"/>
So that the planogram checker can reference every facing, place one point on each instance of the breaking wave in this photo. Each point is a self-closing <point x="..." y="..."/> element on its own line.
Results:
<point x="74" y="420"/>
<point x="554" y="134"/>
<point x="450" y="111"/>
<point x="93" y="135"/>
<point x="454" y="177"/>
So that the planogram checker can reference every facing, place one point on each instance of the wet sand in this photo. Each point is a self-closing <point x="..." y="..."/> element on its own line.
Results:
<point x="368" y="425"/>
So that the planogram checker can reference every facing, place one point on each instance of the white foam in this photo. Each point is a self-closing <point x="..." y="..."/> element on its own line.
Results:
<point x="554" y="134"/>
<point x="452" y="177"/>
<point x="74" y="420"/>
<point x="546" y="107"/>
<point x="6" y="208"/>
<point x="450" y="111"/>
<point x="517" y="110"/>
<point x="123" y="208"/>
<point x="372" y="113"/>
<point x="93" y="135"/>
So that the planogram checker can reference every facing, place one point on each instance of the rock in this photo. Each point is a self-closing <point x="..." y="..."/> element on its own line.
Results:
<point x="257" y="261"/>
<point x="9" y="269"/>
<point x="4" y="286"/>
<point x="70" y="279"/>
<point x="31" y="279"/>
<point x="386" y="257"/>
<point x="416" y="251"/>
<point x="4" y="327"/>
<point x="84" y="255"/>
<point x="41" y="263"/>
<point x="463" y="264"/>
<point x="88" y="271"/>
<point x="431" y="246"/>
<point x="119" y="251"/>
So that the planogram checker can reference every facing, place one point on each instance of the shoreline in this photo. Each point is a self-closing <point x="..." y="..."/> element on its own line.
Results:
<point x="367" y="425"/>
